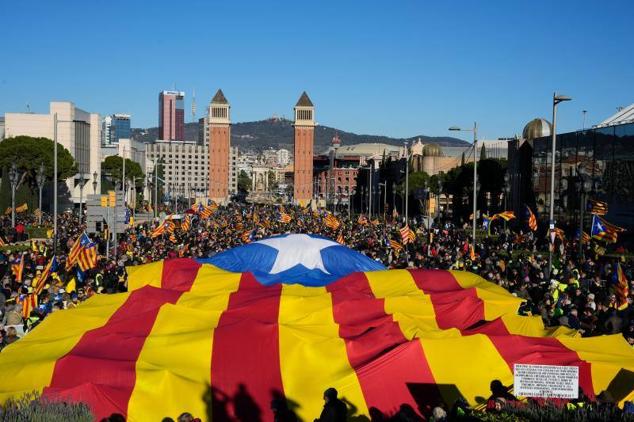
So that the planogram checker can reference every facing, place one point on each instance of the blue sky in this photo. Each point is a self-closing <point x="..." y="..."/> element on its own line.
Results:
<point x="398" y="68"/>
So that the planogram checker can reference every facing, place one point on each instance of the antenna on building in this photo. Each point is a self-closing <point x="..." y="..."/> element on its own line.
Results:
<point x="193" y="105"/>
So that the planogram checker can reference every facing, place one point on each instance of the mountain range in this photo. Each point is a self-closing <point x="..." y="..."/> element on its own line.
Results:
<point x="278" y="133"/>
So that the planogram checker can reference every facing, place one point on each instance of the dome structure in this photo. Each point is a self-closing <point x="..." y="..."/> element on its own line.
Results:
<point x="536" y="128"/>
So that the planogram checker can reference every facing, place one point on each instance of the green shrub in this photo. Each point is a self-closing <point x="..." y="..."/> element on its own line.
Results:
<point x="33" y="408"/>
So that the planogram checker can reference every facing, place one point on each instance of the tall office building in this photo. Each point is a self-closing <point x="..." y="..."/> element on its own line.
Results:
<point x="120" y="128"/>
<point x="304" y="137"/>
<point x="106" y="127"/>
<point x="219" y="148"/>
<point x="172" y="116"/>
<point x="115" y="127"/>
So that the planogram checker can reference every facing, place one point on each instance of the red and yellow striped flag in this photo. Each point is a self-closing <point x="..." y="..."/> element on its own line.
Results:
<point x="412" y="327"/>
<point x="332" y="222"/>
<point x="340" y="238"/>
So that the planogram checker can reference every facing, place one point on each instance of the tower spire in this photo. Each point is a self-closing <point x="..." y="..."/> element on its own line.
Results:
<point x="193" y="105"/>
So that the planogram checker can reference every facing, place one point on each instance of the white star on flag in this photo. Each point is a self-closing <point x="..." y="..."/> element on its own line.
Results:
<point x="296" y="249"/>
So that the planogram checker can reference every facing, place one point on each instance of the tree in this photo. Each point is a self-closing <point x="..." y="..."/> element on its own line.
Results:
<point x="113" y="166"/>
<point x="29" y="153"/>
<point x="272" y="181"/>
<point x="462" y="161"/>
<point x="244" y="182"/>
<point x="483" y="152"/>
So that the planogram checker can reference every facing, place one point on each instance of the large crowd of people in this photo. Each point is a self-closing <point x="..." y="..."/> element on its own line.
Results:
<point x="582" y="291"/>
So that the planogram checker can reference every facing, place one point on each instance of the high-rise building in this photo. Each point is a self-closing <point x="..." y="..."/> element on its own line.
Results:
<point x="77" y="131"/>
<point x="172" y="115"/>
<point x="120" y="128"/>
<point x="219" y="148"/>
<point x="106" y="127"/>
<point x="304" y="137"/>
<point x="115" y="127"/>
<point x="203" y="131"/>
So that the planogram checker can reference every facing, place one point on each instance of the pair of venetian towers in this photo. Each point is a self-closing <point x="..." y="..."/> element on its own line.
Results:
<point x="220" y="143"/>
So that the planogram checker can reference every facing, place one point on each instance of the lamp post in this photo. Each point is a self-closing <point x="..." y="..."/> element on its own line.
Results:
<point x="82" y="182"/>
<point x="13" y="178"/>
<point x="370" y="191"/>
<point x="41" y="178"/>
<point x="94" y="183"/>
<point x="475" y="178"/>
<point x="507" y="191"/>
<point x="438" y="201"/>
<point x="556" y="100"/>
<point x="383" y="186"/>
<point x="406" y="183"/>
<point x="583" y="185"/>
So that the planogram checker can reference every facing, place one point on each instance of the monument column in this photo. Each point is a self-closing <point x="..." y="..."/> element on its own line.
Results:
<point x="304" y="139"/>
<point x="219" y="148"/>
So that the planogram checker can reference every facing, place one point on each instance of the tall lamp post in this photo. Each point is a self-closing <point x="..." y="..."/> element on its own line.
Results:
<point x="94" y="183"/>
<point x="41" y="178"/>
<point x="83" y="179"/>
<point x="507" y="192"/>
<point x="13" y="178"/>
<point x="438" y="199"/>
<point x="584" y="186"/>
<point x="556" y="100"/>
<point x="406" y="183"/>
<point x="475" y="178"/>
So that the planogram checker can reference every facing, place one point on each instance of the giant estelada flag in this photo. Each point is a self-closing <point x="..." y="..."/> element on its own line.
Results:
<point x="290" y="316"/>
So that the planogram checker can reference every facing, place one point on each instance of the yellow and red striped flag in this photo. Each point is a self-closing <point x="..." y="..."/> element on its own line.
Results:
<point x="622" y="287"/>
<point x="396" y="246"/>
<point x="340" y="238"/>
<point x="362" y="220"/>
<point x="22" y="208"/>
<point x="18" y="269"/>
<point x="295" y="338"/>
<point x="87" y="259"/>
<point x="2" y="242"/>
<point x="407" y="235"/>
<point x="284" y="218"/>
<point x="28" y="304"/>
<point x="332" y="222"/>
<point x="505" y="215"/>
<point x="186" y="223"/>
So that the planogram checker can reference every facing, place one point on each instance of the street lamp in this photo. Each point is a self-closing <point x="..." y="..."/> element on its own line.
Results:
<point x="13" y="178"/>
<point x="41" y="178"/>
<point x="507" y="192"/>
<point x="94" y="183"/>
<point x="406" y="183"/>
<point x="556" y="100"/>
<point x="475" y="177"/>
<point x="83" y="179"/>
<point x="583" y="186"/>
<point x="438" y="201"/>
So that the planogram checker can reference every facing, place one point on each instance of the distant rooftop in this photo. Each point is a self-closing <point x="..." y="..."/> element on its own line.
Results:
<point x="219" y="98"/>
<point x="304" y="101"/>
<point x="178" y="93"/>
<point x="625" y="115"/>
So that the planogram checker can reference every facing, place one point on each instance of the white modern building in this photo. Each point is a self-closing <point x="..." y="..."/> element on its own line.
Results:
<point x="283" y="157"/>
<point x="186" y="167"/>
<point x="77" y="130"/>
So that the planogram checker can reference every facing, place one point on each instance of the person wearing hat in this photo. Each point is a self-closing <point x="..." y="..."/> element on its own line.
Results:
<point x="334" y="410"/>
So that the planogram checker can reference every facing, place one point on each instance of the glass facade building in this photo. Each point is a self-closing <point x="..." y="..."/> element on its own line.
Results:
<point x="120" y="128"/>
<point x="604" y="157"/>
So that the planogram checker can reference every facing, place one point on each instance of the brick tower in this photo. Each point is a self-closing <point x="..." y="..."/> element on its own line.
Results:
<point x="304" y="137"/>
<point x="219" y="145"/>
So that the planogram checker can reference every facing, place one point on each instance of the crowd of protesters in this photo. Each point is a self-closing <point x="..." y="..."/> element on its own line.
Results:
<point x="581" y="292"/>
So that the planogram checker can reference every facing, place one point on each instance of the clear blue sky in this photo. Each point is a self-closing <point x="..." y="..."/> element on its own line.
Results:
<point x="398" y="68"/>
